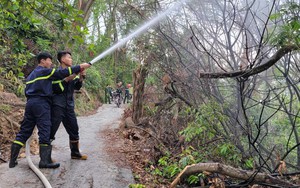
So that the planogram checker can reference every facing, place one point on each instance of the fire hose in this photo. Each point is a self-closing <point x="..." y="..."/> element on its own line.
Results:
<point x="34" y="168"/>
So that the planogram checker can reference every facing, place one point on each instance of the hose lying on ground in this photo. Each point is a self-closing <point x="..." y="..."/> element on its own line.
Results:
<point x="34" y="168"/>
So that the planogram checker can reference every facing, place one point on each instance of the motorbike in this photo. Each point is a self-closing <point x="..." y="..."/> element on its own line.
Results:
<point x="117" y="98"/>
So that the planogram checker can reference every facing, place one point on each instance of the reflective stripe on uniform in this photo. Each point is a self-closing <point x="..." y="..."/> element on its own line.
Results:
<point x="19" y="143"/>
<point x="70" y="70"/>
<point x="59" y="82"/>
<point x="41" y="78"/>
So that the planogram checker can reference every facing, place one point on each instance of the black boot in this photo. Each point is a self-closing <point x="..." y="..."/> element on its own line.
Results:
<point x="75" y="153"/>
<point x="45" y="154"/>
<point x="14" y="153"/>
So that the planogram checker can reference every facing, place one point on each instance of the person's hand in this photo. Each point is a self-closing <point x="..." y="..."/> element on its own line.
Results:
<point x="69" y="78"/>
<point x="83" y="74"/>
<point x="85" y="65"/>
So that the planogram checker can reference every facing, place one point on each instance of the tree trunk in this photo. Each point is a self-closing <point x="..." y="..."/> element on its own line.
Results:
<point x="139" y="78"/>
<point x="85" y="6"/>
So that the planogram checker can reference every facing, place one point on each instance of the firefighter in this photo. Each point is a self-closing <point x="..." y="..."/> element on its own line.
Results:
<point x="63" y="105"/>
<point x="127" y="94"/>
<point x="108" y="94"/>
<point x="38" y="92"/>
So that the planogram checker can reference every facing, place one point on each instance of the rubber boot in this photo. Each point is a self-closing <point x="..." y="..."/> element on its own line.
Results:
<point x="45" y="154"/>
<point x="75" y="153"/>
<point x="15" y="149"/>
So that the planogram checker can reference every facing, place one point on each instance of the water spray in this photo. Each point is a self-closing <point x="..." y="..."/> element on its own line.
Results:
<point x="138" y="31"/>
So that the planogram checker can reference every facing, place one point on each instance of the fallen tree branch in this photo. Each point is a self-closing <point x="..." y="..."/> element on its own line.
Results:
<point x="229" y="171"/>
<point x="286" y="174"/>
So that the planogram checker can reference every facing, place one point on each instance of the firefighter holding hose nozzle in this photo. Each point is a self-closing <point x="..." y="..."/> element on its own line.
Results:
<point x="63" y="105"/>
<point x="38" y="92"/>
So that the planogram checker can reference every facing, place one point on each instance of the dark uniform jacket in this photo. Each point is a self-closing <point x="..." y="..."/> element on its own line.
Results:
<point x="63" y="92"/>
<point x="39" y="83"/>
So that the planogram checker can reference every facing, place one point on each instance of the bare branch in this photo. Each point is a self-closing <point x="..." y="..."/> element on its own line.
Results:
<point x="246" y="73"/>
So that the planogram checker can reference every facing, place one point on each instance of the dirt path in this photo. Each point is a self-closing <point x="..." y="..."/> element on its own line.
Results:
<point x="99" y="171"/>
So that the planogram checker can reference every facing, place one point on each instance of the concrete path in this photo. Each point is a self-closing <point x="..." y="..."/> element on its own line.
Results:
<point x="96" y="172"/>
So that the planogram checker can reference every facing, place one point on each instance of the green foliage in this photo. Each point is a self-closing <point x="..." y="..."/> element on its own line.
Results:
<point x="158" y="172"/>
<point x="186" y="160"/>
<point x="188" y="157"/>
<point x="229" y="153"/>
<point x="136" y="176"/>
<point x="193" y="130"/>
<point x="170" y="166"/>
<point x="281" y="128"/>
<point x="84" y="105"/>
<point x="151" y="80"/>
<point x="193" y="179"/>
<point x="28" y="27"/>
<point x="167" y="168"/>
<point x="287" y="33"/>
<point x="150" y="110"/>
<point x="5" y="108"/>
<point x="137" y="186"/>
<point x="17" y="25"/>
<point x="204" y="121"/>
<point x="226" y="149"/>
<point x="94" y="81"/>
<point x="171" y="170"/>
<point x="163" y="161"/>
<point x="249" y="163"/>
<point x="44" y="44"/>
<point x="12" y="83"/>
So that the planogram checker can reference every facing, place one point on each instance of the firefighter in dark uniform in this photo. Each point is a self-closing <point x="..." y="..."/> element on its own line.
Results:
<point x="63" y="105"/>
<point x="108" y="94"/>
<point x="38" y="92"/>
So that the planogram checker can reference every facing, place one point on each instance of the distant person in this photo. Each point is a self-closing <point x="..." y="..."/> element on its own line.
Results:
<point x="130" y="91"/>
<point x="108" y="94"/>
<point x="127" y="94"/>
<point x="118" y="94"/>
<point x="119" y="89"/>
<point x="63" y="106"/>
<point x="38" y="92"/>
